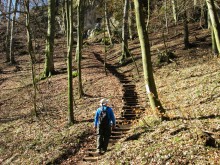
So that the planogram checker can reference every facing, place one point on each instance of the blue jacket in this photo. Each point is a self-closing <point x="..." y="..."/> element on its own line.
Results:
<point x="110" y="112"/>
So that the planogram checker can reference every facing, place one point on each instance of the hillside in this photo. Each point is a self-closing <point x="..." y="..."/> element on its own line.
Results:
<point x="188" y="87"/>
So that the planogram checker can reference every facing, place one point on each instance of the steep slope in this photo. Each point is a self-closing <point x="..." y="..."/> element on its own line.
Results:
<point x="188" y="89"/>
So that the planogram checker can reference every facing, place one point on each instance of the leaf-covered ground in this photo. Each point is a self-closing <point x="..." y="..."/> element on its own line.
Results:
<point x="188" y="88"/>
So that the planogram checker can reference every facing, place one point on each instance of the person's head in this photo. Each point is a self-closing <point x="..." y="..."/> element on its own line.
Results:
<point x="104" y="101"/>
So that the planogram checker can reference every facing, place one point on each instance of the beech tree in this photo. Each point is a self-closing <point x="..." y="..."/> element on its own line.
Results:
<point x="125" y="52"/>
<point x="174" y="6"/>
<point x="7" y="42"/>
<point x="49" y="50"/>
<point x="146" y="59"/>
<point x="80" y="24"/>
<point x="69" y="34"/>
<point x="107" y="22"/>
<point x="11" y="51"/>
<point x="215" y="23"/>
<point x="30" y="51"/>
<point x="185" y="25"/>
<point x="131" y="20"/>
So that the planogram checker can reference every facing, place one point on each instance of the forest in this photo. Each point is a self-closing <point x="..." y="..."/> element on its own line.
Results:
<point x="156" y="61"/>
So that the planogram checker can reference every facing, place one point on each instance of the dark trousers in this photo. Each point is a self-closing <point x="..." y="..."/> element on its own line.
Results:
<point x="103" y="135"/>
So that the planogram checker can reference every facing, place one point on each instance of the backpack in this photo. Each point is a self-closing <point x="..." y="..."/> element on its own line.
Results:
<point x="103" y="118"/>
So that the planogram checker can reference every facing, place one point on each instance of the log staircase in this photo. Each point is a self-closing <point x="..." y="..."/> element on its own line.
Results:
<point x="130" y="112"/>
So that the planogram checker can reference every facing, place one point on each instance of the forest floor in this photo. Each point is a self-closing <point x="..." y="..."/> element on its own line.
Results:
<point x="189" y="89"/>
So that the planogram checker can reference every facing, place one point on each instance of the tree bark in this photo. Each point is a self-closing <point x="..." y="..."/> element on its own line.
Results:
<point x="69" y="31"/>
<point x="49" y="63"/>
<point x="30" y="51"/>
<point x="131" y="20"/>
<point x="174" y="5"/>
<point x="80" y="22"/>
<point x="146" y="59"/>
<point x="214" y="46"/>
<point x="214" y="21"/>
<point x="107" y="22"/>
<point x="7" y="42"/>
<point x="12" y="58"/>
<point x="125" y="52"/>
<point x="166" y="18"/>
<point x="186" y="30"/>
<point x="64" y="16"/>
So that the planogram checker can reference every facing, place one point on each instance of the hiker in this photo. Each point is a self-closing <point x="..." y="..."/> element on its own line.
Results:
<point x="104" y="119"/>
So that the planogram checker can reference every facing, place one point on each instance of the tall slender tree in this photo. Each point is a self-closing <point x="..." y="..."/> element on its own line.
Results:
<point x="146" y="59"/>
<point x="174" y="5"/>
<point x="30" y="51"/>
<point x="107" y="23"/>
<point x="214" y="46"/>
<point x="125" y="52"/>
<point x="186" y="28"/>
<point x="11" y="52"/>
<point x="7" y="42"/>
<point x="166" y="17"/>
<point x="69" y="34"/>
<point x="49" y="50"/>
<point x="80" y="24"/>
<point x="131" y="19"/>
<point x="214" y="22"/>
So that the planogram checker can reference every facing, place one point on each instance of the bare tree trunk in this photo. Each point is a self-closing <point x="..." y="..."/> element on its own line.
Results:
<point x="186" y="29"/>
<point x="30" y="51"/>
<point x="131" y="20"/>
<point x="105" y="52"/>
<point x="204" y="16"/>
<point x="125" y="52"/>
<point x="12" y="58"/>
<point x="166" y="18"/>
<point x="49" y="63"/>
<point x="214" y="21"/>
<point x="214" y="46"/>
<point x="7" y="43"/>
<point x="69" y="31"/>
<point x="148" y="14"/>
<point x="108" y="24"/>
<point x="64" y="16"/>
<point x="195" y="3"/>
<point x="146" y="59"/>
<point x="80" y="21"/>
<point x="174" y="4"/>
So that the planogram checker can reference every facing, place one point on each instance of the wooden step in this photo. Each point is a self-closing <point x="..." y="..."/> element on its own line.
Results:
<point x="123" y="118"/>
<point x="128" y="112"/>
<point x="116" y="133"/>
<point x="129" y="85"/>
<point x="116" y="137"/>
<point x="130" y="107"/>
<point x="123" y="127"/>
<point x="128" y="97"/>
<point x="112" y="142"/>
<point x="91" y="149"/>
<point x="122" y="130"/>
<point x="125" y="81"/>
<point x="90" y="159"/>
<point x="123" y="122"/>
<point x="131" y="104"/>
<point x="131" y="101"/>
<point x="92" y="153"/>
<point x="129" y="115"/>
